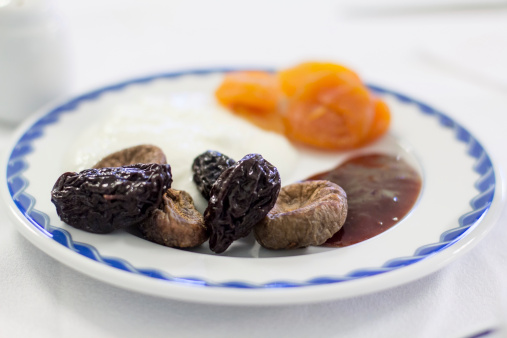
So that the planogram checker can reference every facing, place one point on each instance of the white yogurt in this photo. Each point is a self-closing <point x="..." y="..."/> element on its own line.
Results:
<point x="183" y="126"/>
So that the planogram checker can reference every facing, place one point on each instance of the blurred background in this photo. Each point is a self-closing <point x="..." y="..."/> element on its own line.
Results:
<point x="115" y="39"/>
<point x="388" y="42"/>
<point x="418" y="47"/>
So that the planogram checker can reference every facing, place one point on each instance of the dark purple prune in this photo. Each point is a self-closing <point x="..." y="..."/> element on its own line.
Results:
<point x="207" y="167"/>
<point x="107" y="199"/>
<point x="239" y="199"/>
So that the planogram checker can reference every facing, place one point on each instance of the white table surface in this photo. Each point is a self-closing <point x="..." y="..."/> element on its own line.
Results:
<point x="452" y="56"/>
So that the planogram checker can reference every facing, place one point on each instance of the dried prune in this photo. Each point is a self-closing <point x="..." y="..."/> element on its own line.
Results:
<point x="106" y="199"/>
<point x="176" y="223"/>
<point x="207" y="167"/>
<point x="239" y="199"/>
<point x="306" y="213"/>
<point x="144" y="153"/>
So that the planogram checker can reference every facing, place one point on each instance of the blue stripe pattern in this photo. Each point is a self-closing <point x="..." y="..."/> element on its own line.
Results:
<point x="26" y="203"/>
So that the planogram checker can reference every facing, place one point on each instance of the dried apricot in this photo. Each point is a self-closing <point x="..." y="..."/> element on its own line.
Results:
<point x="293" y="80"/>
<point x="381" y="121"/>
<point x="330" y="114"/>
<point x="253" y="95"/>
<point x="255" y="91"/>
<point x="320" y="104"/>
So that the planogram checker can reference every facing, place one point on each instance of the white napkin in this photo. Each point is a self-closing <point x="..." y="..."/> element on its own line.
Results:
<point x="42" y="298"/>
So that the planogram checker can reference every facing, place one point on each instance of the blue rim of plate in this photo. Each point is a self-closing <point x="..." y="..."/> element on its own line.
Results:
<point x="26" y="204"/>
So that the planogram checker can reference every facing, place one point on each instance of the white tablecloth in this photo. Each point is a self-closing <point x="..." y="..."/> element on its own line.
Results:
<point x="451" y="55"/>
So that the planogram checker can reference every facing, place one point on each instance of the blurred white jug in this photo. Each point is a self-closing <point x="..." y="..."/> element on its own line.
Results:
<point x="34" y="67"/>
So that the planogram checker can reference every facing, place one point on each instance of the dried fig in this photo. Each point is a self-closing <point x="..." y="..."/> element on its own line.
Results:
<point x="176" y="223"/>
<point x="145" y="153"/>
<point x="306" y="213"/>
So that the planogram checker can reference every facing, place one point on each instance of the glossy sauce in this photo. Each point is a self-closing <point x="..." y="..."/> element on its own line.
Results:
<point x="380" y="189"/>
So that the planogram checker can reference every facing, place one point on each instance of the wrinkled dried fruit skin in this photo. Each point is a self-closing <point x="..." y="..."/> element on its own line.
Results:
<point x="240" y="198"/>
<point x="107" y="199"/>
<point x="176" y="223"/>
<point x="306" y="213"/>
<point x="207" y="167"/>
<point x="145" y="153"/>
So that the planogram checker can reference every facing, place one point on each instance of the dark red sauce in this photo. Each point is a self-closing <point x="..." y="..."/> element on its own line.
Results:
<point x="380" y="189"/>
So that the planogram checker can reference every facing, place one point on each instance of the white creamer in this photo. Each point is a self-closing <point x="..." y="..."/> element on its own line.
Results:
<point x="34" y="61"/>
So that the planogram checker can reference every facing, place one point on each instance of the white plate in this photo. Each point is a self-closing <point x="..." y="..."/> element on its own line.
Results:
<point x="459" y="202"/>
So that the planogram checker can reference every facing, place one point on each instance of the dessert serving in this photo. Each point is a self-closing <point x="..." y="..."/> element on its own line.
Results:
<point x="316" y="105"/>
<point x="150" y="153"/>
